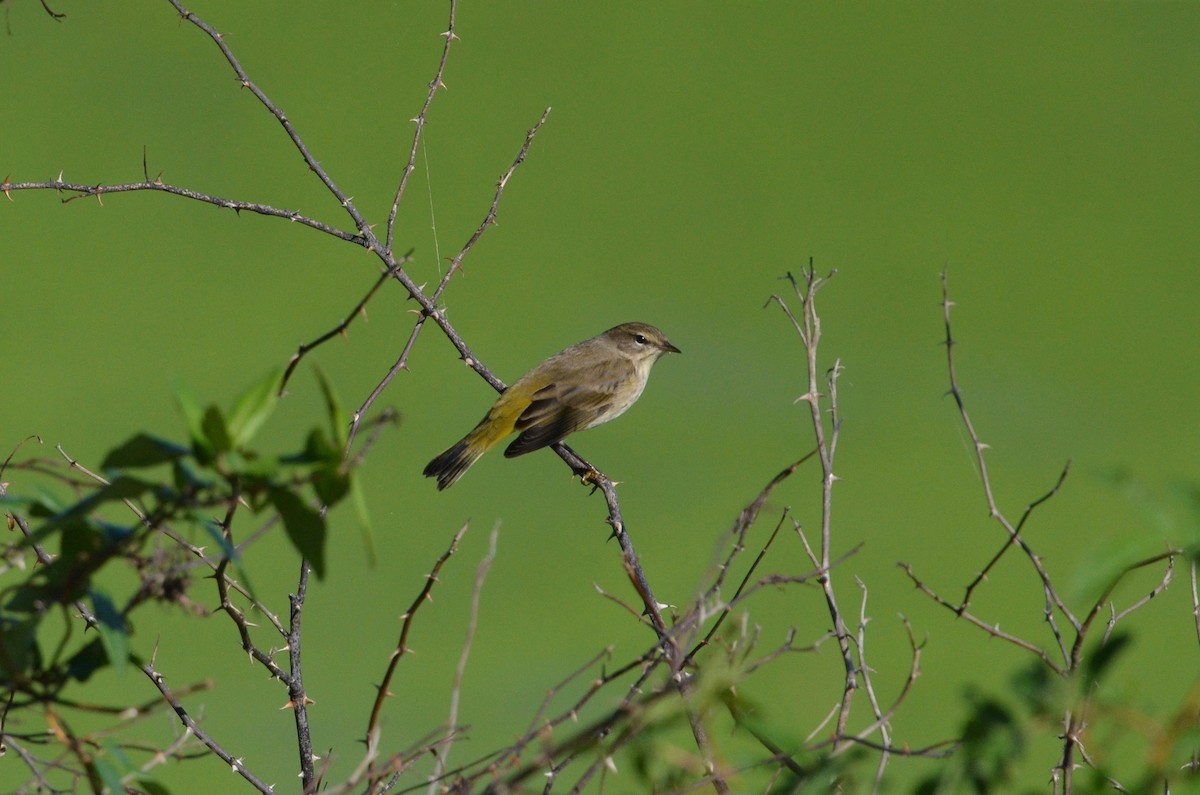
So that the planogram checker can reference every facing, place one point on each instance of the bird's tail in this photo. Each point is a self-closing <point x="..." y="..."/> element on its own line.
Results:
<point x="450" y="465"/>
<point x="495" y="426"/>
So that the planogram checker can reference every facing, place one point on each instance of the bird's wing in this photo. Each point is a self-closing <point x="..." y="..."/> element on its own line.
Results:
<point x="558" y="409"/>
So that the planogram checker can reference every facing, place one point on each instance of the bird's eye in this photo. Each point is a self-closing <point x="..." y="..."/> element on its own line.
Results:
<point x="640" y="339"/>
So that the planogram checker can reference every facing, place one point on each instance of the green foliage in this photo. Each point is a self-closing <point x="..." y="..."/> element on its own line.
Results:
<point x="89" y="535"/>
<point x="994" y="738"/>
<point x="154" y="485"/>
<point x="305" y="526"/>
<point x="120" y="774"/>
<point x="114" y="632"/>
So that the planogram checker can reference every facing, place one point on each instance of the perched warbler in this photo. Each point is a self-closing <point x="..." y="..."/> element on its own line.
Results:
<point x="587" y="384"/>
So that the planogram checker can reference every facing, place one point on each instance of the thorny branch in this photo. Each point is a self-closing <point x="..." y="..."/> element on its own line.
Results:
<point x="402" y="647"/>
<point x="89" y="618"/>
<point x="619" y="725"/>
<point x="481" y="574"/>
<point x="1070" y="651"/>
<point x="435" y="85"/>
<point x="392" y="267"/>
<point x="433" y="299"/>
<point x="343" y="326"/>
<point x="808" y="327"/>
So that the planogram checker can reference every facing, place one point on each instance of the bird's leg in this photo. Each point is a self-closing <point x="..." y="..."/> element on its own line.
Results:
<point x="589" y="476"/>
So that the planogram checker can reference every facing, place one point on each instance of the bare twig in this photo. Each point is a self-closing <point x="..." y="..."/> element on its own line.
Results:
<point x="729" y="606"/>
<point x="993" y="630"/>
<point x="402" y="647"/>
<point x="237" y="764"/>
<point x="429" y="303"/>
<point x="882" y="722"/>
<point x="1070" y="651"/>
<point x="1115" y="617"/>
<point x="883" y="717"/>
<point x="741" y="527"/>
<point x="298" y="698"/>
<point x="435" y="85"/>
<point x="808" y="327"/>
<point x="1192" y="567"/>
<point x="1013" y="532"/>
<point x="360" y="309"/>
<point x="1098" y="605"/>
<point x="266" y="659"/>
<point x="345" y="201"/>
<point x="80" y="190"/>
<point x="1015" y="537"/>
<point x="89" y="618"/>
<point x="460" y="671"/>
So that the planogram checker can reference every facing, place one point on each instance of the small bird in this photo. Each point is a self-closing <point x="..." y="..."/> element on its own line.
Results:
<point x="581" y="387"/>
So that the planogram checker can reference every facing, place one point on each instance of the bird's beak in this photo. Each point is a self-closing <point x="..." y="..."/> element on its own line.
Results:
<point x="669" y="348"/>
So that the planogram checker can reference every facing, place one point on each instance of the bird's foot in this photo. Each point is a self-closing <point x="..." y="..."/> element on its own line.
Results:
<point x="590" y="477"/>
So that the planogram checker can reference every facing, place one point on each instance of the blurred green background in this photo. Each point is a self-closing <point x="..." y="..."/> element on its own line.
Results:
<point x="1047" y="155"/>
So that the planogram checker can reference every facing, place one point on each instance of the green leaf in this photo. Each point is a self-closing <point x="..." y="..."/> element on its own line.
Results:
<point x="1188" y="492"/>
<point x="143" y="450"/>
<point x="79" y="546"/>
<point x="305" y="527"/>
<point x="114" y="534"/>
<point x="193" y="417"/>
<point x="1102" y="657"/>
<point x="65" y="579"/>
<point x="85" y="547"/>
<point x="123" y="487"/>
<point x="113" y="766"/>
<point x="44" y="503"/>
<point x="186" y="478"/>
<point x="333" y="406"/>
<point x="30" y="597"/>
<point x="216" y="432"/>
<point x="18" y="648"/>
<point x="150" y="786"/>
<point x="1042" y="693"/>
<point x="359" y="500"/>
<point x="993" y="740"/>
<point x="87" y="661"/>
<point x="253" y="467"/>
<point x="113" y="631"/>
<point x="317" y="448"/>
<point x="110" y="775"/>
<point x="253" y="408"/>
<point x="330" y="484"/>
<point x="215" y="532"/>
